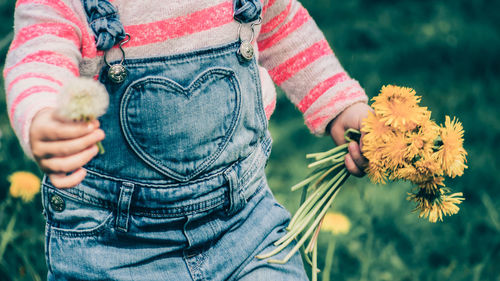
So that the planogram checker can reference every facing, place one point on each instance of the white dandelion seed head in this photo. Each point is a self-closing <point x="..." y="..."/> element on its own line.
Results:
<point x="83" y="99"/>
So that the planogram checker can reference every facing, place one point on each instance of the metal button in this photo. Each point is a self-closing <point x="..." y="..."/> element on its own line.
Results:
<point x="246" y="50"/>
<point x="57" y="203"/>
<point x="117" y="73"/>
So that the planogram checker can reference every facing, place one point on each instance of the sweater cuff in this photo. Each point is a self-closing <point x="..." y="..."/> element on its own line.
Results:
<point x="24" y="132"/>
<point x="331" y="104"/>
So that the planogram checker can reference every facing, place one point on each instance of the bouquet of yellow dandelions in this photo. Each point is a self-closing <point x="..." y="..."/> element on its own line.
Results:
<point x="401" y="142"/>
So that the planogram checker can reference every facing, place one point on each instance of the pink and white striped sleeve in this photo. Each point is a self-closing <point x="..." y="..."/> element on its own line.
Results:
<point x="301" y="62"/>
<point x="44" y="53"/>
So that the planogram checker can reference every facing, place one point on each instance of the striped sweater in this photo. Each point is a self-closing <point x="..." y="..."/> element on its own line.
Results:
<point x="53" y="43"/>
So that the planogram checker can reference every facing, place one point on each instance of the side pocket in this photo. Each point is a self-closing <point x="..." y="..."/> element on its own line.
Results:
<point x="71" y="216"/>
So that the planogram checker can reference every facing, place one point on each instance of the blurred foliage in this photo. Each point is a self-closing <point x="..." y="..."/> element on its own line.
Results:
<point x="449" y="52"/>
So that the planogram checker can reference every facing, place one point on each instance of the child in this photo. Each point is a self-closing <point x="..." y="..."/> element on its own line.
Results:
<point x="180" y="193"/>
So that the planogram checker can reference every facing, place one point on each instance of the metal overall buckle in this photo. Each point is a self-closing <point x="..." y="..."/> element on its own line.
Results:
<point x="117" y="73"/>
<point x="246" y="50"/>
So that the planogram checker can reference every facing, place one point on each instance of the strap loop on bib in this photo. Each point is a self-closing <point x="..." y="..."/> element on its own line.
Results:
<point x="246" y="11"/>
<point x="104" y="20"/>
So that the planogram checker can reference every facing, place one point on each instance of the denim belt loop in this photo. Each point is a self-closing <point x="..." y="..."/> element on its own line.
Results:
<point x="236" y="199"/>
<point x="123" y="210"/>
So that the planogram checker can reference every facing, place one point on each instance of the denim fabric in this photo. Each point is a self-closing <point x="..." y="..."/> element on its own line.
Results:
<point x="104" y="21"/>
<point x="180" y="193"/>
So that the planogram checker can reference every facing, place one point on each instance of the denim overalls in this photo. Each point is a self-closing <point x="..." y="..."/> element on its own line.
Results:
<point x="180" y="193"/>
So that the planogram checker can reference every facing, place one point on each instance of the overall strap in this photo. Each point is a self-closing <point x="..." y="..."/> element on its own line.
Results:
<point x="246" y="11"/>
<point x="104" y="20"/>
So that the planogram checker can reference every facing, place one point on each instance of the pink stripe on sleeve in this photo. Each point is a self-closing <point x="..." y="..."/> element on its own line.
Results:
<point x="277" y="20"/>
<point x="62" y="30"/>
<point x="301" y="17"/>
<point x="47" y="57"/>
<point x="269" y="109"/>
<point x="317" y="118"/>
<point x="320" y="89"/>
<point x="284" y="71"/>
<point x="88" y="44"/>
<point x="32" y="75"/>
<point x="26" y="93"/>
<point x="215" y="16"/>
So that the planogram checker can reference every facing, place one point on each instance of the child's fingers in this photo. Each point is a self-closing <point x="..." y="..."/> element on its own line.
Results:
<point x="66" y="181"/>
<point x="47" y="127"/>
<point x="63" y="148"/>
<point x="355" y="152"/>
<point x="337" y="134"/>
<point x="68" y="164"/>
<point x="351" y="167"/>
<point x="54" y="131"/>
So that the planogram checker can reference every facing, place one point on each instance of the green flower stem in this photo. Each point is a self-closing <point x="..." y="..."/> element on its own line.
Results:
<point x="101" y="148"/>
<point x="321" y="155"/>
<point x="314" y="239"/>
<point x="315" y="262"/>
<point x="302" y="223"/>
<point x="351" y="131"/>
<point x="336" y="158"/>
<point x="328" y="172"/>
<point x="306" y="256"/>
<point x="311" y="228"/>
<point x="328" y="260"/>
<point x="4" y="205"/>
<point x="8" y="235"/>
<point x="306" y="181"/>
<point x="312" y="201"/>
<point x="295" y="231"/>
<point x="309" y="203"/>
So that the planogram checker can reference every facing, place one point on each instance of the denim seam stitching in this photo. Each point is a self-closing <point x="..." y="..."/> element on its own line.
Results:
<point x="83" y="198"/>
<point x="177" y="211"/>
<point x="156" y="185"/>
<point x="260" y="108"/>
<point x="119" y="211"/>
<point x="47" y="242"/>
<point x="85" y="232"/>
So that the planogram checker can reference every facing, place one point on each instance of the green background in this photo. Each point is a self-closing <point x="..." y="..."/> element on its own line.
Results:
<point x="448" y="51"/>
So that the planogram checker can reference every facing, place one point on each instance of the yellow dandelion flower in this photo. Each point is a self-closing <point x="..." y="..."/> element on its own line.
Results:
<point x="405" y="172"/>
<point x="24" y="185"/>
<point x="421" y="140"/>
<point x="426" y="167"/>
<point x="451" y="154"/>
<point x="336" y="223"/>
<point x="373" y="151"/>
<point x="431" y="184"/>
<point x="376" y="171"/>
<point x="375" y="129"/>
<point x="398" y="107"/>
<point x="435" y="206"/>
<point x="394" y="152"/>
<point x="416" y="144"/>
<point x="448" y="203"/>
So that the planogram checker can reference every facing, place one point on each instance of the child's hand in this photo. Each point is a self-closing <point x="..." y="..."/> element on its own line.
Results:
<point x="61" y="147"/>
<point x="351" y="117"/>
